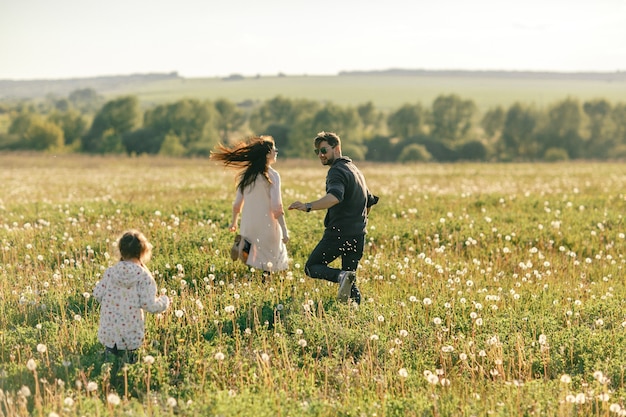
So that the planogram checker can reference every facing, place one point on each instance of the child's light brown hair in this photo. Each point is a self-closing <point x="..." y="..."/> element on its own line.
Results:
<point x="134" y="245"/>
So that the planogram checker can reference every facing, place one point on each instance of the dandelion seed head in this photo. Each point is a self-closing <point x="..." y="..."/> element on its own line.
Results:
<point x="114" y="399"/>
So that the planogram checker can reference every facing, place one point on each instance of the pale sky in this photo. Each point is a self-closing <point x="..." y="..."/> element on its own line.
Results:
<point x="51" y="39"/>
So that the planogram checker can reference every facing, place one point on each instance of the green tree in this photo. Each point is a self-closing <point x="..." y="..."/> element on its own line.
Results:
<point x="601" y="128"/>
<point x="73" y="124"/>
<point x="171" y="146"/>
<point x="618" y="116"/>
<point x="42" y="135"/>
<point x="290" y="119"/>
<point x="86" y="100"/>
<point x="229" y="118"/>
<point x="493" y="121"/>
<point x="407" y="121"/>
<point x="140" y="141"/>
<point x="564" y="123"/>
<point x="344" y="121"/>
<point x="472" y="150"/>
<point x="370" y="117"/>
<point x="20" y="123"/>
<point x="380" y="148"/>
<point x="192" y="121"/>
<point x="115" y="119"/>
<point x="518" y="133"/>
<point x="414" y="153"/>
<point x="451" y="118"/>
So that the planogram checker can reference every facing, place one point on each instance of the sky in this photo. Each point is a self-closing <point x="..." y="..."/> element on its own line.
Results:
<point x="44" y="39"/>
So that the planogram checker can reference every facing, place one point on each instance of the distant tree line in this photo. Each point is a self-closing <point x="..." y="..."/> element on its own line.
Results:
<point x="449" y="129"/>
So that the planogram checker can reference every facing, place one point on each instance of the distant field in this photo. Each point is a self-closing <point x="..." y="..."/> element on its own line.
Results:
<point x="386" y="92"/>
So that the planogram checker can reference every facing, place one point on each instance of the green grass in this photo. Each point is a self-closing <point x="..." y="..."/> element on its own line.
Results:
<point x="488" y="290"/>
<point x="386" y="92"/>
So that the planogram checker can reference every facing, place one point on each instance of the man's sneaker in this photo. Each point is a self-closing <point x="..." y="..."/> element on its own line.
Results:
<point x="346" y="279"/>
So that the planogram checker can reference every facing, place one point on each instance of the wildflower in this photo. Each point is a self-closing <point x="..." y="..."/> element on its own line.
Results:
<point x="24" y="391"/>
<point x="148" y="359"/>
<point x="219" y="356"/>
<point x="374" y="337"/>
<point x="113" y="399"/>
<point x="580" y="398"/>
<point x="31" y="365"/>
<point x="68" y="401"/>
<point x="427" y="301"/>
<point x="403" y="373"/>
<point x="381" y="319"/>
<point x="41" y="348"/>
<point x="445" y="382"/>
<point x="265" y="357"/>
<point x="86" y="295"/>
<point x="432" y="379"/>
<point x="437" y="321"/>
<point x="403" y="333"/>
<point x="91" y="386"/>
<point x="179" y="313"/>
<point x="302" y="342"/>
<point x="77" y="317"/>
<point x="463" y="356"/>
<point x="566" y="379"/>
<point x="615" y="408"/>
<point x="171" y="402"/>
<point x="229" y="309"/>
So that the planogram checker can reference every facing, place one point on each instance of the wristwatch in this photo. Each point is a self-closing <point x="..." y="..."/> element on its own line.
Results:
<point x="308" y="207"/>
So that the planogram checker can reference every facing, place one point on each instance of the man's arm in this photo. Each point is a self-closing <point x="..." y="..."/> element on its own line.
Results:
<point x="325" y="202"/>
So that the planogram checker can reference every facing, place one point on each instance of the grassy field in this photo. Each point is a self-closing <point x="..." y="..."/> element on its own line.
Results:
<point x="488" y="290"/>
<point x="386" y="92"/>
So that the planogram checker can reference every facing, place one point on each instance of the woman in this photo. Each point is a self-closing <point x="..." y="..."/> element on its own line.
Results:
<point x="259" y="202"/>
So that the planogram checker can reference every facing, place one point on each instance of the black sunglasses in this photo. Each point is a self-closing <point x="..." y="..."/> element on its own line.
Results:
<point x="323" y="150"/>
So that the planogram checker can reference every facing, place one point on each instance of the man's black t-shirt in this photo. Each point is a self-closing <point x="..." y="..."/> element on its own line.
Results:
<point x="346" y="182"/>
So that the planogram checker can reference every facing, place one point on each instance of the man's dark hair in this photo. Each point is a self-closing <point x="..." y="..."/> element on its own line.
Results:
<point x="330" y="137"/>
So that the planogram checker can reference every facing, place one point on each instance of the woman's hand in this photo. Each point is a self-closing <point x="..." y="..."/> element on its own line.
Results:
<point x="232" y="227"/>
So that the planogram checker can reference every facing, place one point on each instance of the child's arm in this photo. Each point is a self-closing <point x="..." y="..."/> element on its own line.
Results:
<point x="101" y="287"/>
<point x="148" y="299"/>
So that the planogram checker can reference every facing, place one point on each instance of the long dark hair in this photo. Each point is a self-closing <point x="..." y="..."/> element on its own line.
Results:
<point x="251" y="155"/>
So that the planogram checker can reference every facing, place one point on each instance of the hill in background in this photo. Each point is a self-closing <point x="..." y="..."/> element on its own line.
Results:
<point x="386" y="89"/>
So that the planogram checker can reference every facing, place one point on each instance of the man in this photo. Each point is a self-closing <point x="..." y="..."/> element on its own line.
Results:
<point x="348" y="202"/>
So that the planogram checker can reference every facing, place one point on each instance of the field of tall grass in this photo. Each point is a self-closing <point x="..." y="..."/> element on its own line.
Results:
<point x="487" y="290"/>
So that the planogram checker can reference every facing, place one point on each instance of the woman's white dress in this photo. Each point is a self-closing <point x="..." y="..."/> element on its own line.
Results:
<point x="262" y="206"/>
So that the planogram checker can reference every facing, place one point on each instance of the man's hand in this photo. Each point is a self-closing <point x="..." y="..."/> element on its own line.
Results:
<point x="297" y="205"/>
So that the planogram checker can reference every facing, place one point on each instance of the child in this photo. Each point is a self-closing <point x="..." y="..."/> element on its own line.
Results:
<point x="125" y="291"/>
